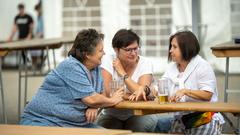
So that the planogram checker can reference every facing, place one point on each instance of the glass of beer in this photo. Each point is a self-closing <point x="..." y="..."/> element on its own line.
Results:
<point x="115" y="85"/>
<point x="163" y="90"/>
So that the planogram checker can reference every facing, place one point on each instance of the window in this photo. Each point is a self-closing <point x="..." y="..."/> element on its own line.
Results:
<point x="80" y="14"/>
<point x="151" y="20"/>
<point x="235" y="18"/>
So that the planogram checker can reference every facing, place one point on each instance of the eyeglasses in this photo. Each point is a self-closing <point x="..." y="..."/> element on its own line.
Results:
<point x="130" y="50"/>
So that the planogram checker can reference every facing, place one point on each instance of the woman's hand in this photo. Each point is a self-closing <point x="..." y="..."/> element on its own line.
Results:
<point x="118" y="67"/>
<point x="138" y="95"/>
<point x="117" y="96"/>
<point x="91" y="114"/>
<point x="178" y="95"/>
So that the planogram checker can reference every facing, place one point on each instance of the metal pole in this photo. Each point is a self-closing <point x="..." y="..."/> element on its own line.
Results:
<point x="54" y="58"/>
<point x="48" y="60"/>
<point x="19" y="83"/>
<point x="195" y="17"/>
<point x="226" y="80"/>
<point x="25" y="77"/>
<point x="2" y="93"/>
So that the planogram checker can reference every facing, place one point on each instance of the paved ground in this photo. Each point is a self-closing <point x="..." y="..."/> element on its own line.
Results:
<point x="10" y="81"/>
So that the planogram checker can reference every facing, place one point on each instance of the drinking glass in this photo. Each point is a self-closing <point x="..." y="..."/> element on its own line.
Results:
<point x="115" y="85"/>
<point x="163" y="90"/>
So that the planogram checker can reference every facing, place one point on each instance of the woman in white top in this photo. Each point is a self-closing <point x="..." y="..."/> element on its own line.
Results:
<point x="192" y="80"/>
<point x="136" y="73"/>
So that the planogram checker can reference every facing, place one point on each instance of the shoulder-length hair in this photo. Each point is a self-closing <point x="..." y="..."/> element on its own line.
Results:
<point x="188" y="44"/>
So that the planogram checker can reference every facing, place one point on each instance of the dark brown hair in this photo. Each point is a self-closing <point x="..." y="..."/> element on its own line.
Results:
<point x="37" y="7"/>
<point x="124" y="38"/>
<point x="20" y="6"/>
<point x="85" y="43"/>
<point x="188" y="44"/>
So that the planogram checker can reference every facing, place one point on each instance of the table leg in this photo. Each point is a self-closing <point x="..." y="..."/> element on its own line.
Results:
<point x="54" y="58"/>
<point x="22" y="64"/>
<point x="65" y="52"/>
<point x="226" y="80"/>
<point x="25" y="81"/>
<point x="19" y="83"/>
<point x="48" y="60"/>
<point x="2" y="93"/>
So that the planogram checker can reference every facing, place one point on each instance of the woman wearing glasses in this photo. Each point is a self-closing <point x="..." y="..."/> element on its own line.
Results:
<point x="136" y="73"/>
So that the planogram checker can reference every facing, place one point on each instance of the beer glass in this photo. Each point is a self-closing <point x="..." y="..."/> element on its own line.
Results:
<point x="163" y="90"/>
<point x="115" y="85"/>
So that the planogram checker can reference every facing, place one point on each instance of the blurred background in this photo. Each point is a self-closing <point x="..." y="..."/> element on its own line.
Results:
<point x="214" y="22"/>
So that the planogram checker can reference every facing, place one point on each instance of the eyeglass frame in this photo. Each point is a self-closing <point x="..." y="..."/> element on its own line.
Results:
<point x="130" y="50"/>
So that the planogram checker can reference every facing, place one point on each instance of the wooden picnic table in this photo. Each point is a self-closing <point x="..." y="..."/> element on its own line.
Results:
<point x="22" y="46"/>
<point x="153" y="107"/>
<point x="150" y="107"/>
<point x="227" y="50"/>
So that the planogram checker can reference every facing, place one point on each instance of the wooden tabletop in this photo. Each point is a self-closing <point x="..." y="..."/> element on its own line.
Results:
<point x="3" y="53"/>
<point x="227" y="49"/>
<point x="35" y="44"/>
<point x="67" y="40"/>
<point x="35" y="130"/>
<point x="227" y="45"/>
<point x="149" y="107"/>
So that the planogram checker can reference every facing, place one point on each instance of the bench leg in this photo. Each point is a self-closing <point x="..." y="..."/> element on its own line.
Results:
<point x="238" y="125"/>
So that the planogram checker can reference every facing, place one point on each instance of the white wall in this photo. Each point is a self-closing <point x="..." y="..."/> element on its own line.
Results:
<point x="115" y="15"/>
<point x="52" y="15"/>
<point x="181" y="13"/>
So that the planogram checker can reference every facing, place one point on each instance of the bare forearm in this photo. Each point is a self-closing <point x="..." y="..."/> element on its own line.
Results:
<point x="199" y="94"/>
<point x="98" y="100"/>
<point x="131" y="85"/>
<point x="30" y="31"/>
<point x="11" y="35"/>
<point x="29" y="36"/>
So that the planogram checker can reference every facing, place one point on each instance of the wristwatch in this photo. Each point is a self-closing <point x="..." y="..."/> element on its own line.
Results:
<point x="125" y="77"/>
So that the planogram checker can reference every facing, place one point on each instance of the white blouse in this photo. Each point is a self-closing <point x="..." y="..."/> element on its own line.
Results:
<point x="198" y="75"/>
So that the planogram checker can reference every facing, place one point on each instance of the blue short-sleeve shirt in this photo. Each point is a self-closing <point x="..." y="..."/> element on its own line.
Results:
<point x="58" y="100"/>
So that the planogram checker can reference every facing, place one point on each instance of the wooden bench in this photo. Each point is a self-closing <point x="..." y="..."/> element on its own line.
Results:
<point x="36" y="130"/>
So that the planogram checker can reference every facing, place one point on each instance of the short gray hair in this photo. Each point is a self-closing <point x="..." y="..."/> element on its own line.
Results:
<point x="85" y="43"/>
